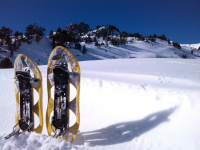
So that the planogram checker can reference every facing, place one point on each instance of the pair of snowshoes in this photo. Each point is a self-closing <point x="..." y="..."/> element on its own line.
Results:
<point x="58" y="76"/>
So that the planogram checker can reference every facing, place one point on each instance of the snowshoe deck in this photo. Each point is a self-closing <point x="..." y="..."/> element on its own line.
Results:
<point x="24" y="85"/>
<point x="59" y="76"/>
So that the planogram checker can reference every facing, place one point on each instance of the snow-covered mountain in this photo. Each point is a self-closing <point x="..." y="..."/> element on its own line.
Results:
<point x="141" y="95"/>
<point x="77" y="28"/>
<point x="108" y="30"/>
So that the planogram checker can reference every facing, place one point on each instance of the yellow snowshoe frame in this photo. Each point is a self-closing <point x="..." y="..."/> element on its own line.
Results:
<point x="21" y="61"/>
<point x="74" y="104"/>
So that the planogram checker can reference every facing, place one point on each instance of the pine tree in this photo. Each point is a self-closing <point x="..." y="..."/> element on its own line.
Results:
<point x="10" y="46"/>
<point x="84" y="50"/>
<point x="53" y="44"/>
<point x="163" y="37"/>
<point x="153" y="39"/>
<point x="6" y="63"/>
<point x="96" y="43"/>
<point x="97" y="34"/>
<point x="97" y="27"/>
<point x="94" y="39"/>
<point x="59" y="30"/>
<point x="34" y="30"/>
<point x="11" y="53"/>
<point x="78" y="46"/>
<point x="14" y="46"/>
<point x="184" y="56"/>
<point x="16" y="34"/>
<point x="39" y="31"/>
<point x="104" y="34"/>
<point x="8" y="40"/>
<point x="30" y="31"/>
<point x="169" y="42"/>
<point x="21" y="36"/>
<point x="1" y="43"/>
<point x="175" y="44"/>
<point x="51" y="32"/>
<point x="19" y="43"/>
<point x="1" y="36"/>
<point x="5" y="32"/>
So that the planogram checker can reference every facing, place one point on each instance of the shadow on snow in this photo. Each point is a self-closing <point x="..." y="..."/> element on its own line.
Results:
<point x="123" y="132"/>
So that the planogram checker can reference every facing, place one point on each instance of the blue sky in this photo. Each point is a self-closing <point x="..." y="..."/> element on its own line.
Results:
<point x="179" y="20"/>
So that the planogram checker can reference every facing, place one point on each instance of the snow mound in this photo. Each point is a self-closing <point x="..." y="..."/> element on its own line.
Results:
<point x="34" y="141"/>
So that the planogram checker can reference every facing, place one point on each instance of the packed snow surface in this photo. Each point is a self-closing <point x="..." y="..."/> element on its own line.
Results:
<point x="140" y="104"/>
<point x="139" y="96"/>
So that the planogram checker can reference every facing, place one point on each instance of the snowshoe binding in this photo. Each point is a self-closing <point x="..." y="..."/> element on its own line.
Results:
<point x="60" y="77"/>
<point x="24" y="84"/>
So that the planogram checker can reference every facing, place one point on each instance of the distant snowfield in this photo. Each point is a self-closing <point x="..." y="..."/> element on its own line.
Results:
<point x="191" y="45"/>
<point x="124" y="104"/>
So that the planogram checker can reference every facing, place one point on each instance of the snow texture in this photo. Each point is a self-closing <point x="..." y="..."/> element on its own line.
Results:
<point x="124" y="104"/>
<point x="145" y="103"/>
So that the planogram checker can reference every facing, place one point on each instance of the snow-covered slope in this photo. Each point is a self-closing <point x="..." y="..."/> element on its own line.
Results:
<point x="124" y="104"/>
<point x="39" y="53"/>
<point x="192" y="46"/>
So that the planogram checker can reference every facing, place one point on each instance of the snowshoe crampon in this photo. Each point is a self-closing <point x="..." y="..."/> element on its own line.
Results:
<point x="24" y="85"/>
<point x="60" y="77"/>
